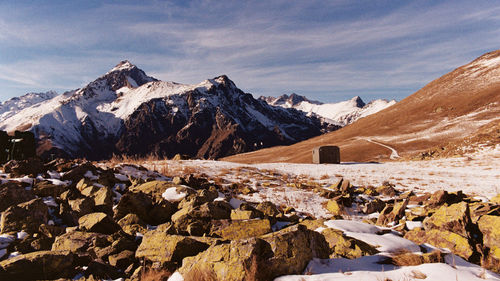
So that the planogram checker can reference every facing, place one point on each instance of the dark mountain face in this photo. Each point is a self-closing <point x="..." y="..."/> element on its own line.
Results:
<point x="228" y="125"/>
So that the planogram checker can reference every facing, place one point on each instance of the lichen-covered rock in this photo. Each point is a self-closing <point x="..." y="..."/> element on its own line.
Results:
<point x="158" y="246"/>
<point x="38" y="265"/>
<point x="268" y="208"/>
<point x="346" y="247"/>
<point x="373" y="206"/>
<point x="203" y="214"/>
<point x="240" y="229"/>
<point x="81" y="206"/>
<point x="13" y="193"/>
<point x="454" y="218"/>
<point x="152" y="188"/>
<point x="496" y="199"/>
<point x="392" y="213"/>
<point x="293" y="248"/>
<point x="238" y="214"/>
<point x="98" y="222"/>
<point x="236" y="261"/>
<point x="479" y="209"/>
<point x="334" y="208"/>
<point x="46" y="188"/>
<point x="458" y="244"/>
<point x="78" y="172"/>
<point x="490" y="228"/>
<point x="79" y="242"/>
<point x="27" y="216"/>
<point x="122" y="259"/>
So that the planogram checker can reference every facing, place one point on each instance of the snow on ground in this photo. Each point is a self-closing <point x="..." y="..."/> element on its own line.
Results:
<point x="475" y="174"/>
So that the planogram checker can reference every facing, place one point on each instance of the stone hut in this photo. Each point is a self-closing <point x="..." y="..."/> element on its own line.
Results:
<point x="326" y="154"/>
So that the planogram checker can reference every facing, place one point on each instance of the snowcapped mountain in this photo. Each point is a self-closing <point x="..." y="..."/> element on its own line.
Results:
<point x="341" y="113"/>
<point x="14" y="105"/>
<point x="127" y="112"/>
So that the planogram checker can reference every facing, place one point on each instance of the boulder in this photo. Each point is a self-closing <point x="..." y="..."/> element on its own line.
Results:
<point x="47" y="188"/>
<point x="202" y="216"/>
<point x="19" y="168"/>
<point x="38" y="265"/>
<point x="79" y="242"/>
<point x="78" y="172"/>
<point x="458" y="244"/>
<point x="144" y="207"/>
<point x="387" y="189"/>
<point x="373" y="206"/>
<point x="27" y="216"/>
<point x="235" y="261"/>
<point x="346" y="247"/>
<point x="392" y="213"/>
<point x="81" y="206"/>
<point x="268" y="209"/>
<point x="13" y="193"/>
<point x="122" y="259"/>
<point x="293" y="248"/>
<point x="158" y="246"/>
<point x="479" y="209"/>
<point x="132" y="224"/>
<point x="238" y="214"/>
<point x="454" y="218"/>
<point x="98" y="222"/>
<point x="240" y="229"/>
<point x="490" y="228"/>
<point x="334" y="208"/>
<point x="152" y="188"/>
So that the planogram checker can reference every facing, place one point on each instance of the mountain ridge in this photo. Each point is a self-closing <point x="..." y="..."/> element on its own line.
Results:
<point x="127" y="112"/>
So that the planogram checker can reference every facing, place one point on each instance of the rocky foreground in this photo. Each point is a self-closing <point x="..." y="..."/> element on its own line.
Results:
<point x="92" y="221"/>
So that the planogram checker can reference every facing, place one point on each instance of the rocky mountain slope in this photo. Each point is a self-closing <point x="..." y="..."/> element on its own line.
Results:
<point x="341" y="113"/>
<point x="127" y="112"/>
<point x="102" y="221"/>
<point x="450" y="109"/>
<point x="12" y="106"/>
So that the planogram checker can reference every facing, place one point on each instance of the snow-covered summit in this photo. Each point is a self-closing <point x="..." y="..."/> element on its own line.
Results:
<point x="123" y="65"/>
<point x="341" y="113"/>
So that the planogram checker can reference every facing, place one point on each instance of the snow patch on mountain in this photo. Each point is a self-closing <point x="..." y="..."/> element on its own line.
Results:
<point x="12" y="106"/>
<point x="341" y="113"/>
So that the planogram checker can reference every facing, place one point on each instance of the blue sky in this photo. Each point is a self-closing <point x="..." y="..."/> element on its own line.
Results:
<point x="326" y="50"/>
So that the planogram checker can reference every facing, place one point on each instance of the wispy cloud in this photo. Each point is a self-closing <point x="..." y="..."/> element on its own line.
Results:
<point x="328" y="50"/>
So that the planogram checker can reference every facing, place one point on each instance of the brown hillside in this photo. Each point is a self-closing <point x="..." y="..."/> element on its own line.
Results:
<point x="446" y="110"/>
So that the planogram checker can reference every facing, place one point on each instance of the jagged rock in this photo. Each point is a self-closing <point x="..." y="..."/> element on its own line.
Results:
<point x="51" y="231"/>
<point x="27" y="216"/>
<point x="38" y="265"/>
<point x="392" y="213"/>
<point x="19" y="168"/>
<point x="496" y="199"/>
<point x="204" y="213"/>
<point x="122" y="260"/>
<point x="238" y="214"/>
<point x="268" y="209"/>
<point x="440" y="197"/>
<point x="13" y="193"/>
<point x="458" y="244"/>
<point x="240" y="229"/>
<point x="47" y="188"/>
<point x="98" y="222"/>
<point x="70" y="194"/>
<point x="102" y="271"/>
<point x="121" y="242"/>
<point x="158" y="246"/>
<point x="198" y="198"/>
<point x="346" y="247"/>
<point x="293" y="248"/>
<point x="235" y="261"/>
<point x="343" y="185"/>
<point x="79" y="242"/>
<point x="373" y="206"/>
<point x="479" y="209"/>
<point x="102" y="196"/>
<point x="77" y="173"/>
<point x="152" y="188"/>
<point x="132" y="224"/>
<point x="334" y="208"/>
<point x="490" y="228"/>
<point x="387" y="189"/>
<point x="134" y="203"/>
<point x="81" y="206"/>
<point x="454" y="218"/>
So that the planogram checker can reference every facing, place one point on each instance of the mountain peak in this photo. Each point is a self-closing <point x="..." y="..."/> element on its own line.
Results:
<point x="358" y="101"/>
<point x="123" y="65"/>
